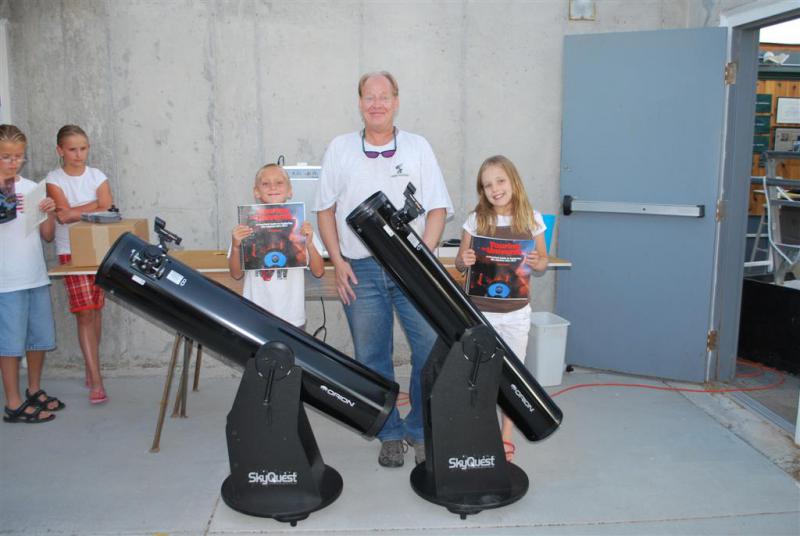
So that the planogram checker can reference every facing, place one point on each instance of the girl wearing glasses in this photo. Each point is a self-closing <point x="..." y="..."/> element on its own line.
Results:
<point x="503" y="212"/>
<point x="26" y="315"/>
<point x="77" y="188"/>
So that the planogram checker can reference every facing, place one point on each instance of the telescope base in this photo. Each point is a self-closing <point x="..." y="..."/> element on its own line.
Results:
<point x="465" y="504"/>
<point x="277" y="470"/>
<point x="465" y="472"/>
<point x="293" y="507"/>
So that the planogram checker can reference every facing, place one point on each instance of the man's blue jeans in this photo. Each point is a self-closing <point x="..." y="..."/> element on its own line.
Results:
<point x="371" y="319"/>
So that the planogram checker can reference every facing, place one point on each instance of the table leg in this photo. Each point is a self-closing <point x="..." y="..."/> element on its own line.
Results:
<point x="197" y="363"/>
<point x="162" y="410"/>
<point x="179" y="409"/>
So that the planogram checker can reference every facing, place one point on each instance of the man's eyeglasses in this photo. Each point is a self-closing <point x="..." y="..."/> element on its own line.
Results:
<point x="9" y="159"/>
<point x="374" y="154"/>
<point x="385" y="100"/>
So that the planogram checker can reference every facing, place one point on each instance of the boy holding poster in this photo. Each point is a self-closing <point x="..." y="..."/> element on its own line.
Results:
<point x="503" y="241"/>
<point x="269" y="250"/>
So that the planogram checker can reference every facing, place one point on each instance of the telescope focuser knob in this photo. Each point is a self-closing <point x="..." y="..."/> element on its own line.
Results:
<point x="150" y="260"/>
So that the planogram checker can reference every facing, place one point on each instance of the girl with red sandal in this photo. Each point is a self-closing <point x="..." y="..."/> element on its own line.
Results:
<point x="503" y="212"/>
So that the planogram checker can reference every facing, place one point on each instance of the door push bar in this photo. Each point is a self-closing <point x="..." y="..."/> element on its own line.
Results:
<point x="570" y="205"/>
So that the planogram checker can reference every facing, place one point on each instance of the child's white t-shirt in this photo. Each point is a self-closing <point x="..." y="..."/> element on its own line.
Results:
<point x="78" y="191"/>
<point x="471" y="225"/>
<point x="284" y="295"/>
<point x="21" y="260"/>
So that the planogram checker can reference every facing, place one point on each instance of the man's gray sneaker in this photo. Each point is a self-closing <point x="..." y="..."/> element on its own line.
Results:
<point x="392" y="452"/>
<point x="419" y="450"/>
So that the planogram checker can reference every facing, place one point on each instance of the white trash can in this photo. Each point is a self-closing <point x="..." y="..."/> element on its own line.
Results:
<point x="547" y="346"/>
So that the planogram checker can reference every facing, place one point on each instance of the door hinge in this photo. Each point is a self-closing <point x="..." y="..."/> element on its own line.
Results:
<point x="730" y="73"/>
<point x="711" y="340"/>
<point x="720" y="212"/>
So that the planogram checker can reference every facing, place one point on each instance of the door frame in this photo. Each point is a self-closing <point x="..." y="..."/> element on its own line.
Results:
<point x="743" y="25"/>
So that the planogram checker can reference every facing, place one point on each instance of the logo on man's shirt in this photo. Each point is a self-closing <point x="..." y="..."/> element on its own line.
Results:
<point x="398" y="171"/>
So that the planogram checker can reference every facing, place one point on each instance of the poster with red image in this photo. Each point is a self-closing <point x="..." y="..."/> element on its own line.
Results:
<point x="8" y="200"/>
<point x="499" y="271"/>
<point x="276" y="242"/>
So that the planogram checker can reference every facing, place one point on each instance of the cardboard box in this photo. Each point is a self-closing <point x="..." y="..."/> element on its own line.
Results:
<point x="91" y="241"/>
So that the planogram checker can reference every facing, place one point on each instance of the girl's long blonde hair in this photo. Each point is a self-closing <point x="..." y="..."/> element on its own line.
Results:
<point x="522" y="219"/>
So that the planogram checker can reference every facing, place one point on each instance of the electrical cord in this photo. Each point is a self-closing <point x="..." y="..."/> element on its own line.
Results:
<point x="781" y="379"/>
<point x="403" y="398"/>
<point x="758" y="372"/>
<point x="322" y="329"/>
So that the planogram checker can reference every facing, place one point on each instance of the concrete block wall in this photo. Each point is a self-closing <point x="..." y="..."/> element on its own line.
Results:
<point x="184" y="100"/>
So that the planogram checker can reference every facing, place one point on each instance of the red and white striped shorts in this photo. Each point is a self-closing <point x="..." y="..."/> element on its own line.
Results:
<point x="83" y="294"/>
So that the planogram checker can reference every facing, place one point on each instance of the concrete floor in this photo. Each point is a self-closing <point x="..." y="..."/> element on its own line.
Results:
<point x="625" y="461"/>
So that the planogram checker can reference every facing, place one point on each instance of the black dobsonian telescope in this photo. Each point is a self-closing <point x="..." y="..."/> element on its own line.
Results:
<point x="469" y="370"/>
<point x="445" y="305"/>
<point x="276" y="468"/>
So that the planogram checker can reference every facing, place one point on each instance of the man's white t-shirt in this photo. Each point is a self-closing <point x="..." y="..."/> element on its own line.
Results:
<point x="78" y="191"/>
<point x="21" y="260"/>
<point x="348" y="178"/>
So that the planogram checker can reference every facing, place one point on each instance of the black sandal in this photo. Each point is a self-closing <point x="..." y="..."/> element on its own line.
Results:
<point x="19" y="414"/>
<point x="36" y="399"/>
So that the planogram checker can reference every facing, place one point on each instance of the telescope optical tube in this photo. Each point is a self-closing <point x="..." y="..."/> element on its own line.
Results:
<point x="447" y="308"/>
<point x="160" y="286"/>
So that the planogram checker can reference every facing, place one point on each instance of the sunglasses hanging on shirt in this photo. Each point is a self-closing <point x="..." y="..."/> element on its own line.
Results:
<point x="374" y="154"/>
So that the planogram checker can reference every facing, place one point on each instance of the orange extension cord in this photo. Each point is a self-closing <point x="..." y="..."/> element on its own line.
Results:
<point x="760" y="370"/>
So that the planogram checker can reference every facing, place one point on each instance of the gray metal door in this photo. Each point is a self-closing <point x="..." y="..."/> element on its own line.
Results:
<point x="641" y="158"/>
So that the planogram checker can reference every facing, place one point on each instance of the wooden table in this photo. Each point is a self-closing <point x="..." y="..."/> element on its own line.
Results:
<point x="213" y="264"/>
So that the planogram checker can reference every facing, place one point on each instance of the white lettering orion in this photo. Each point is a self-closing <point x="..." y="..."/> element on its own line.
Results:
<point x="327" y="390"/>
<point x="525" y="401"/>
